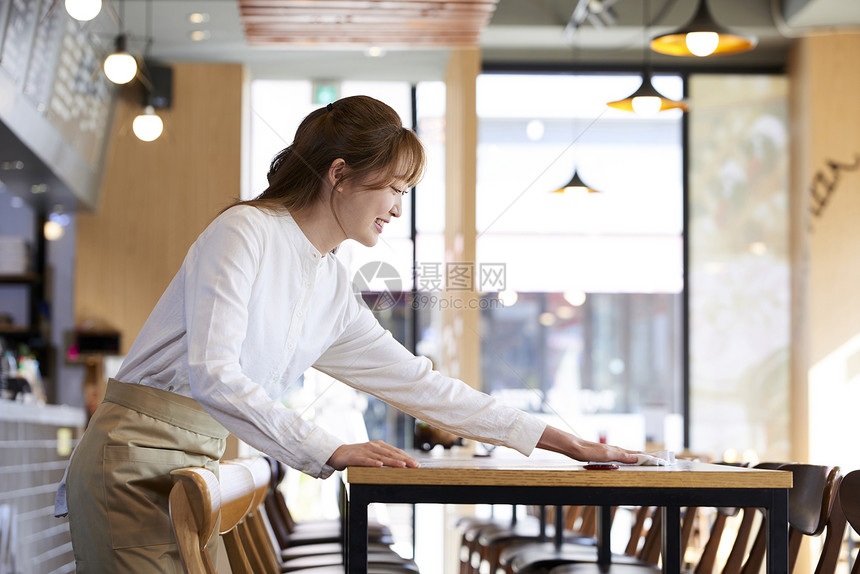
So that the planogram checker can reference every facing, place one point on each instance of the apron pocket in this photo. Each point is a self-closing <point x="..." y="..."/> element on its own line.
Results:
<point x="137" y="486"/>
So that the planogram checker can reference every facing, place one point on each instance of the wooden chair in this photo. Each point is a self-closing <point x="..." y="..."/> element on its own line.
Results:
<point x="491" y="543"/>
<point x="849" y="505"/>
<point x="585" y="524"/>
<point x="265" y="553"/>
<point x="472" y="528"/>
<point x="195" y="507"/>
<point x="638" y="558"/>
<point x="291" y="533"/>
<point x="237" y="498"/>
<point x="812" y="510"/>
<point x="197" y="500"/>
<point x="810" y="502"/>
<point x="708" y="558"/>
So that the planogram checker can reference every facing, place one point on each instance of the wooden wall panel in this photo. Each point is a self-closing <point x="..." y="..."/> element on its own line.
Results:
<point x="461" y="340"/>
<point x="833" y="132"/>
<point x="826" y="323"/>
<point x="157" y="197"/>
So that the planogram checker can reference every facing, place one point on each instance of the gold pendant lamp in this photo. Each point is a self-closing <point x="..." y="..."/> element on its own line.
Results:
<point x="703" y="37"/>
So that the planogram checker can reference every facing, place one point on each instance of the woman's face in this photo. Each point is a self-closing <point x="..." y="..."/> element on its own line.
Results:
<point x="363" y="211"/>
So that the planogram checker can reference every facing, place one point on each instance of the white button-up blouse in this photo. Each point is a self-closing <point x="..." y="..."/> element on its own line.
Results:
<point x="253" y="306"/>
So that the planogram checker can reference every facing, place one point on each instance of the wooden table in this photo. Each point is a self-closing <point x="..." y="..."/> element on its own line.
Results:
<point x="467" y="480"/>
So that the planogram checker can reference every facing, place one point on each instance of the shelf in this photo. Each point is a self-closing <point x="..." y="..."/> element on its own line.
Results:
<point x="20" y="278"/>
<point x="16" y="330"/>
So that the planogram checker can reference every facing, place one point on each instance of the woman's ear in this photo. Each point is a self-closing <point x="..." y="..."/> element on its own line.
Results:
<point x="336" y="171"/>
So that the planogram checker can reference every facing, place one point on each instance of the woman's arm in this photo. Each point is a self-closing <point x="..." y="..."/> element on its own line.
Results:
<point x="579" y="449"/>
<point x="378" y="453"/>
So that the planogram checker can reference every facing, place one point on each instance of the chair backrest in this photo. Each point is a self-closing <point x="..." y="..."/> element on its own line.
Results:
<point x="708" y="558"/>
<point x="810" y="502"/>
<point x="194" y="506"/>
<point x="636" y="530"/>
<point x="255" y="531"/>
<point x="237" y="497"/>
<point x="198" y="498"/>
<point x="646" y="543"/>
<point x="849" y="504"/>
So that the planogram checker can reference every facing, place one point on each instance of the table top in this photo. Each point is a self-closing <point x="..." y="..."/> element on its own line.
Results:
<point x="473" y="471"/>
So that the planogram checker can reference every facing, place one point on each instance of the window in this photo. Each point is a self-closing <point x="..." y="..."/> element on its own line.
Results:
<point x="591" y="332"/>
<point x="739" y="267"/>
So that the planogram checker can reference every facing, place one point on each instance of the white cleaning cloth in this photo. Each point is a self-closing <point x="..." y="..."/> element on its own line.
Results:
<point x="659" y="458"/>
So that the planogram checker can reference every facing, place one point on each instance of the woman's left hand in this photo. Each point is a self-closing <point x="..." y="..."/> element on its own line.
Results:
<point x="579" y="449"/>
<point x="373" y="453"/>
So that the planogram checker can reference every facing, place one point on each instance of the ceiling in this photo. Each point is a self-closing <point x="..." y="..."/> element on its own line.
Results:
<point x="329" y="38"/>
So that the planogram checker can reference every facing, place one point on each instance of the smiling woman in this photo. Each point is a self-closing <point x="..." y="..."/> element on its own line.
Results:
<point x="260" y="298"/>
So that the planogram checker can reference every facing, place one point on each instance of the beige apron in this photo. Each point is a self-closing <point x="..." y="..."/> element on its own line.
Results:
<point x="119" y="478"/>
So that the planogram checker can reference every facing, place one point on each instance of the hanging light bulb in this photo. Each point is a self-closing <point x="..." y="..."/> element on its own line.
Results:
<point x="646" y="106"/>
<point x="646" y="100"/>
<point x="83" y="10"/>
<point x="147" y="126"/>
<point x="702" y="44"/>
<point x="576" y="185"/>
<point x="120" y="67"/>
<point x="702" y="37"/>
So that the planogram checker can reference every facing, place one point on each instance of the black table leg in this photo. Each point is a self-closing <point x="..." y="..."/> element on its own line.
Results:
<point x="604" y="525"/>
<point x="356" y="533"/>
<point x="542" y="531"/>
<point x="671" y="539"/>
<point x="558" y="538"/>
<point x="777" y="533"/>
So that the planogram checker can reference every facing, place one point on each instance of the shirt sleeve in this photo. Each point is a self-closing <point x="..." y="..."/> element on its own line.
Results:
<point x="368" y="358"/>
<point x="220" y="272"/>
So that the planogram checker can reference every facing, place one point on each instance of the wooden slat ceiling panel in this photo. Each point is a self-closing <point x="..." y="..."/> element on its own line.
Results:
<point x="360" y="24"/>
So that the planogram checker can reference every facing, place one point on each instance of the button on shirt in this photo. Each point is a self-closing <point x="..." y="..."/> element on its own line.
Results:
<point x="253" y="306"/>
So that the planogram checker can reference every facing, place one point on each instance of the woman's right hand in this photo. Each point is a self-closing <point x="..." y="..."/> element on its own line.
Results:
<point x="373" y="453"/>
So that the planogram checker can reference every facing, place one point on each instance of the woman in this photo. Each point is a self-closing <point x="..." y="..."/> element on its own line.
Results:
<point x="259" y="299"/>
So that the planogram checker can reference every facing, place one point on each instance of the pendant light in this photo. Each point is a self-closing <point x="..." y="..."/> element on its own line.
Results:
<point x="120" y="67"/>
<point x="646" y="101"/>
<point x="157" y="83"/>
<point x="83" y="10"/>
<point x="703" y="37"/>
<point x="147" y="126"/>
<point x="576" y="185"/>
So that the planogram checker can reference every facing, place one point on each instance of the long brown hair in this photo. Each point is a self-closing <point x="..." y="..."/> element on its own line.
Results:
<point x="366" y="133"/>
